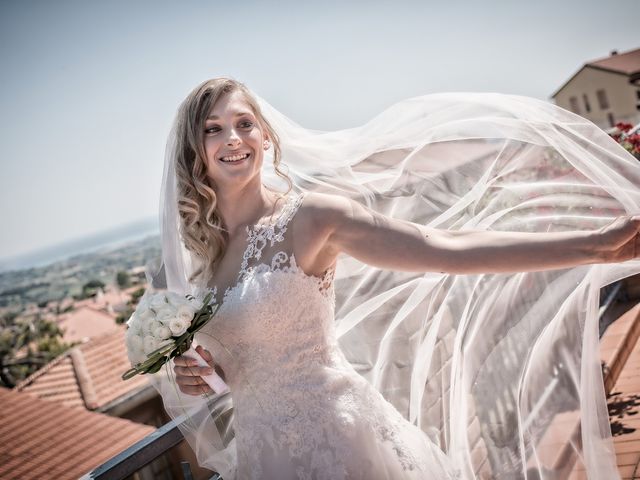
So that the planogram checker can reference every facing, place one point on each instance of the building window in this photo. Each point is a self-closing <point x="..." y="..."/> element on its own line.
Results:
<point x="602" y="99"/>
<point x="587" y="107"/>
<point x="612" y="123"/>
<point x="573" y="105"/>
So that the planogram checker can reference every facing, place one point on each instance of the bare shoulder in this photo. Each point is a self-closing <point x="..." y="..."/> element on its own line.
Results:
<point x="317" y="218"/>
<point x="324" y="211"/>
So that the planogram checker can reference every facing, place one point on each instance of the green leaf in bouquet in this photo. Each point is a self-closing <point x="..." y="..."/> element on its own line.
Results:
<point x="162" y="351"/>
<point x="158" y="365"/>
<point x="132" y="372"/>
<point x="183" y="343"/>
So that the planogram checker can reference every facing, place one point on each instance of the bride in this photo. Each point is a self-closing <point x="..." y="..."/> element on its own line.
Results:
<point x="436" y="303"/>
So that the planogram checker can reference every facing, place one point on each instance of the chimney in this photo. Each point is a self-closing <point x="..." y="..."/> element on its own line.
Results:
<point x="614" y="52"/>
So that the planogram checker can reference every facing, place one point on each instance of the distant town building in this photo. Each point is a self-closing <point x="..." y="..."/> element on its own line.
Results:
<point x="84" y="323"/>
<point x="605" y="91"/>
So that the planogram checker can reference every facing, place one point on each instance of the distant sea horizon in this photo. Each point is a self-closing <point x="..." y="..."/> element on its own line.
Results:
<point x="110" y="238"/>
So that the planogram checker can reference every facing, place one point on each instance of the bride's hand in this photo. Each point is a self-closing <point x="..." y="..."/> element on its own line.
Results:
<point x="189" y="374"/>
<point x="619" y="241"/>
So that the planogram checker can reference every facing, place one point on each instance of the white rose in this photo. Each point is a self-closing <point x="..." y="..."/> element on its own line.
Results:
<point x="136" y="356"/>
<point x="162" y="333"/>
<point x="136" y="329"/>
<point x="153" y="326"/>
<point x="150" y="344"/>
<point x="158" y="301"/>
<point x="179" y="326"/>
<point x="176" y="299"/>
<point x="145" y="316"/>
<point x="134" y="342"/>
<point x="166" y="315"/>
<point x="186" y="313"/>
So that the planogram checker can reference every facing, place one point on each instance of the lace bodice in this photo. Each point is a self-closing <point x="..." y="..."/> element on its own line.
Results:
<point x="269" y="234"/>
<point x="250" y="316"/>
<point x="295" y="395"/>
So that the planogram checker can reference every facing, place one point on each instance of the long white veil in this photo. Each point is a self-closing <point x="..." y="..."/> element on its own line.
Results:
<point x="484" y="364"/>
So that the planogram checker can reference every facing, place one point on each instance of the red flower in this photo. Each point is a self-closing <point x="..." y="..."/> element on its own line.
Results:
<point x="625" y="127"/>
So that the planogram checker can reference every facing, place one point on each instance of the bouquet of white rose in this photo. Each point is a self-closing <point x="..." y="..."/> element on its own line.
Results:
<point x="162" y="327"/>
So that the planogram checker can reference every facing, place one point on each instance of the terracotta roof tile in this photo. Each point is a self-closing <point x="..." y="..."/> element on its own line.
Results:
<point x="84" y="323"/>
<point x="45" y="440"/>
<point x="101" y="361"/>
<point x="627" y="62"/>
<point x="624" y="402"/>
<point x="104" y="299"/>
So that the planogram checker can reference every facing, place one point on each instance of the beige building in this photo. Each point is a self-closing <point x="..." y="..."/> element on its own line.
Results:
<point x="605" y="91"/>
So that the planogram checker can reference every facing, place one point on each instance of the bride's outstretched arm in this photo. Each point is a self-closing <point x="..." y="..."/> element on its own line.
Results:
<point x="385" y="242"/>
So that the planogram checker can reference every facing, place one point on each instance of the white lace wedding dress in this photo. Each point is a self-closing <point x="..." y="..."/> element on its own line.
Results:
<point x="301" y="410"/>
<point x="487" y="365"/>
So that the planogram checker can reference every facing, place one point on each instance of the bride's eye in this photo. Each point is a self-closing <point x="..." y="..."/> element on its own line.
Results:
<point x="210" y="130"/>
<point x="246" y="124"/>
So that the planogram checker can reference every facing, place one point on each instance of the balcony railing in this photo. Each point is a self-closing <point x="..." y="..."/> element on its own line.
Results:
<point x="142" y="453"/>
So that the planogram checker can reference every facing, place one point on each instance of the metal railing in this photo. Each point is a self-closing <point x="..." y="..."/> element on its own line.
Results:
<point x="142" y="453"/>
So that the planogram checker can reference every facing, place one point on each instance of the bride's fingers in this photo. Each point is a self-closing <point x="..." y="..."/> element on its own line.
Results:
<point x="190" y="381"/>
<point x="196" y="390"/>
<point x="193" y="371"/>
<point x="185" y="361"/>
<point x="205" y="354"/>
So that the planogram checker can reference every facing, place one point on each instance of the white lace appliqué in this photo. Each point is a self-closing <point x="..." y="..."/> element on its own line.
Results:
<point x="261" y="235"/>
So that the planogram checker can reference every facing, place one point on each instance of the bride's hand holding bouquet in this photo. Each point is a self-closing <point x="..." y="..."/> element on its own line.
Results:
<point x="163" y="327"/>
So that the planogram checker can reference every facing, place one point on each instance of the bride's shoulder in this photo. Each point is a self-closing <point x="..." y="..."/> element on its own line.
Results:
<point x="319" y="215"/>
<point x="323" y="209"/>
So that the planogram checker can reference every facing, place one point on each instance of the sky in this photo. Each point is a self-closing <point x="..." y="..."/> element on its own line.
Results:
<point x="89" y="88"/>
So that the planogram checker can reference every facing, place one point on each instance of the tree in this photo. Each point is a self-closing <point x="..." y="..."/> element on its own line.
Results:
<point x="131" y="306"/>
<point x="135" y="296"/>
<point x="27" y="344"/>
<point x="89" y="289"/>
<point x="122" y="279"/>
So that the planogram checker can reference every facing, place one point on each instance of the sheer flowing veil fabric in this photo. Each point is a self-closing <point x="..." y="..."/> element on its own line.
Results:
<point x="484" y="364"/>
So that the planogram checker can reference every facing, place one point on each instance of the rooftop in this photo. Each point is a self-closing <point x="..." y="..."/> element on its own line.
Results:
<point x="88" y="375"/>
<point x="46" y="440"/>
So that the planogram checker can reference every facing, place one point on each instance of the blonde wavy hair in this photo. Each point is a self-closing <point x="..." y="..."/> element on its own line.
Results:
<point x="201" y="226"/>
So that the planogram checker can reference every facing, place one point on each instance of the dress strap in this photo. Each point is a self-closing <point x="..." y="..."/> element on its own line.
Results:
<point x="258" y="236"/>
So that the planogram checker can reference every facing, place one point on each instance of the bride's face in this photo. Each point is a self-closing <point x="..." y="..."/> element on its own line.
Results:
<point x="233" y="142"/>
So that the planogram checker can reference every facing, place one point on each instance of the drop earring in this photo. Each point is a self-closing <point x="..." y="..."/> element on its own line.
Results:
<point x="266" y="144"/>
